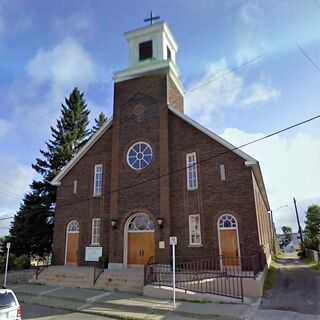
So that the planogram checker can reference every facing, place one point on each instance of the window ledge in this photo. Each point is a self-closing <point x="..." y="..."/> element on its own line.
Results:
<point x="195" y="245"/>
<point x="192" y="189"/>
<point x="95" y="245"/>
<point x="97" y="196"/>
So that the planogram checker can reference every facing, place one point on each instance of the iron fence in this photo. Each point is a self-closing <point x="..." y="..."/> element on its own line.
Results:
<point x="221" y="276"/>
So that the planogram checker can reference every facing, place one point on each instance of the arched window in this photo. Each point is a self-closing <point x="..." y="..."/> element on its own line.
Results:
<point x="140" y="222"/>
<point x="227" y="221"/>
<point x="73" y="227"/>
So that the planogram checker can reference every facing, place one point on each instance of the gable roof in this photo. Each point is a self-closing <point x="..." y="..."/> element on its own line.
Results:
<point x="249" y="161"/>
<point x="57" y="179"/>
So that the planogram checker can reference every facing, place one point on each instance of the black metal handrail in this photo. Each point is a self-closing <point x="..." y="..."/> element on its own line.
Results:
<point x="221" y="275"/>
<point x="96" y="274"/>
<point x="39" y="269"/>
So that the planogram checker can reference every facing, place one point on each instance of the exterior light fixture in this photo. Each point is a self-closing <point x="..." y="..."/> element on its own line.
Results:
<point x="113" y="223"/>
<point x="160" y="222"/>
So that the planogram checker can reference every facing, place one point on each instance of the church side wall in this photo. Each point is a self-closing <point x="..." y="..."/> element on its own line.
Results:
<point x="214" y="197"/>
<point x="263" y="221"/>
<point x="82" y="206"/>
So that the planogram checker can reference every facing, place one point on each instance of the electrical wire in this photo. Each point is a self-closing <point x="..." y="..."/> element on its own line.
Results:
<point x="197" y="162"/>
<point x="308" y="57"/>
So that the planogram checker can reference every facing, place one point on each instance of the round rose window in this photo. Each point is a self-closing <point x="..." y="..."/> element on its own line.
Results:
<point x="139" y="155"/>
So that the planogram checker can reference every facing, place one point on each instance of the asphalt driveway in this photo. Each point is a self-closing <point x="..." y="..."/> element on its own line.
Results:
<point x="297" y="288"/>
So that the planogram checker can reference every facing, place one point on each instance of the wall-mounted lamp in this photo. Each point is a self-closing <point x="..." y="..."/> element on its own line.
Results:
<point x="160" y="222"/>
<point x="113" y="223"/>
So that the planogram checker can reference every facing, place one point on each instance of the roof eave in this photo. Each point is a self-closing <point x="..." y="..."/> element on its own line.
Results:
<point x="57" y="179"/>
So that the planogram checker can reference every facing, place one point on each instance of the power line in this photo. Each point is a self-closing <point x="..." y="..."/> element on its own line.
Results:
<point x="6" y="218"/>
<point x="149" y="109"/>
<point x="226" y="73"/>
<point x="199" y="161"/>
<point x="308" y="57"/>
<point x="9" y="193"/>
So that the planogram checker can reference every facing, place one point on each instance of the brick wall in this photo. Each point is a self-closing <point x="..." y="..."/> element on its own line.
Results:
<point x="141" y="114"/>
<point x="82" y="206"/>
<point x="213" y="197"/>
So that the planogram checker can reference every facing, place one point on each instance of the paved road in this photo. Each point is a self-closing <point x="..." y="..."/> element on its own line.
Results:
<point x="35" y="312"/>
<point x="297" y="288"/>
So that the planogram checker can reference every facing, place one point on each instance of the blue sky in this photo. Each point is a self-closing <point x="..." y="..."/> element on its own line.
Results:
<point x="49" y="47"/>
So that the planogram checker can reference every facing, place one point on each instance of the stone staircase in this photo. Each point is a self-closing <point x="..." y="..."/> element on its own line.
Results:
<point x="123" y="280"/>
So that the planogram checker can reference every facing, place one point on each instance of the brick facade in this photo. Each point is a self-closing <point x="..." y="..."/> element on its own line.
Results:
<point x="141" y="114"/>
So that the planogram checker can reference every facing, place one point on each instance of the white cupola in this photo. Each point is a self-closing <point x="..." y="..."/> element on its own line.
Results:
<point x="152" y="49"/>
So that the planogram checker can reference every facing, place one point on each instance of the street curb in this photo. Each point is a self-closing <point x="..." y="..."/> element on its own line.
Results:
<point x="114" y="310"/>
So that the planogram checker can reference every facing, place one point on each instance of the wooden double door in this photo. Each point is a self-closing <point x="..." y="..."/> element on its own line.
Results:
<point x="229" y="247"/>
<point x="140" y="247"/>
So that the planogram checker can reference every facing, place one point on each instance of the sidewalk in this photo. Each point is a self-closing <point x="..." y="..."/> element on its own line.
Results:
<point x="132" y="306"/>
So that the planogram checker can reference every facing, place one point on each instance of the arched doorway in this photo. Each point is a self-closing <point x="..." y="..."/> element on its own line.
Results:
<point x="72" y="243"/>
<point x="229" y="240"/>
<point x="138" y="240"/>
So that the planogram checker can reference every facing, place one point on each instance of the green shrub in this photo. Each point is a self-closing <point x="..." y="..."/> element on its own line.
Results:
<point x="11" y="262"/>
<point x="22" y="262"/>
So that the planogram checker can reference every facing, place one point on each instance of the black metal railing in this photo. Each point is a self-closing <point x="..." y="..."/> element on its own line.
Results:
<point x="39" y="269"/>
<point x="221" y="276"/>
<point x="96" y="274"/>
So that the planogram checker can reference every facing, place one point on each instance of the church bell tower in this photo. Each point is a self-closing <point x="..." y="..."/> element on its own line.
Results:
<point x="140" y="143"/>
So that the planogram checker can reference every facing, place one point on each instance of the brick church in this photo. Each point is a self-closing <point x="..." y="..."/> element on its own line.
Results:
<point x="152" y="172"/>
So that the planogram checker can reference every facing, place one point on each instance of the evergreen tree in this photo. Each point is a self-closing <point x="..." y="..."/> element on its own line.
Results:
<point x="99" y="122"/>
<point x="32" y="229"/>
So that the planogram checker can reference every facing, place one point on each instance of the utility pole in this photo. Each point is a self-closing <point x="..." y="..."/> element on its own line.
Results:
<point x="300" y="230"/>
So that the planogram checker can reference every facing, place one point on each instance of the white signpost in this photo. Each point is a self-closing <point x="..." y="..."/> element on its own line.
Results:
<point x="6" y="271"/>
<point x="173" y="243"/>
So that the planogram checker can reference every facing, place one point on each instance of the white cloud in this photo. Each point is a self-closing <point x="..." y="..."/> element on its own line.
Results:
<point x="64" y="66"/>
<point x="5" y="224"/>
<point x="14" y="181"/>
<point x="220" y="89"/>
<point x="51" y="76"/>
<point x="15" y="178"/>
<point x="77" y="22"/>
<point x="260" y="92"/>
<point x="5" y="126"/>
<point x="250" y="32"/>
<point x="220" y="93"/>
<point x="290" y="168"/>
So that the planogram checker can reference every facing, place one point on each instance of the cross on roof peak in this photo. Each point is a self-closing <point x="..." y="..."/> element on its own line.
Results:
<point x="151" y="19"/>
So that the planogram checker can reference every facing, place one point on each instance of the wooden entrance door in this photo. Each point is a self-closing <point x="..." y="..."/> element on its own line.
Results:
<point x="229" y="247"/>
<point x="72" y="248"/>
<point x="140" y="247"/>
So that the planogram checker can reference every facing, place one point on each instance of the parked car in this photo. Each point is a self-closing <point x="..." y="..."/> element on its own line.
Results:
<point x="9" y="305"/>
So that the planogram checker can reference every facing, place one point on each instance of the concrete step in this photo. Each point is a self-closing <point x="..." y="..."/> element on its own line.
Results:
<point x="125" y="280"/>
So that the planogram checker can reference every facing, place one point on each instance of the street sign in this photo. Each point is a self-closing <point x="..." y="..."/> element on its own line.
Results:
<point x="173" y="241"/>
<point x="6" y="270"/>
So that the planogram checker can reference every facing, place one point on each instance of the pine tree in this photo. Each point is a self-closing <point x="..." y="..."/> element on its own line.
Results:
<point x="99" y="122"/>
<point x="32" y="229"/>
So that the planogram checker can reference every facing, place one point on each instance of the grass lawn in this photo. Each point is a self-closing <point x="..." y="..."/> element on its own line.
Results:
<point x="268" y="284"/>
<point x="312" y="264"/>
